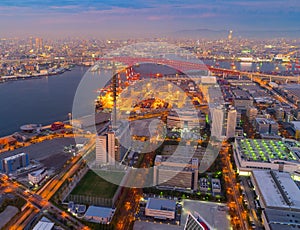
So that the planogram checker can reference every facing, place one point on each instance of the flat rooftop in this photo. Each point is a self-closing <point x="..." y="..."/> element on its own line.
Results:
<point x="161" y="204"/>
<point x="99" y="211"/>
<point x="179" y="160"/>
<point x="14" y="157"/>
<point x="44" y="224"/>
<point x="265" y="121"/>
<point x="277" y="189"/>
<point x="296" y="125"/>
<point x="142" y="225"/>
<point x="37" y="172"/>
<point x="282" y="220"/>
<point x="263" y="150"/>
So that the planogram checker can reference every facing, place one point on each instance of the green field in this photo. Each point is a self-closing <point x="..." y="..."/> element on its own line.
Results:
<point x="94" y="185"/>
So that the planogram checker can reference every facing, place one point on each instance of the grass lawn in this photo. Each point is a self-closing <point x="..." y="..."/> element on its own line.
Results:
<point x="94" y="185"/>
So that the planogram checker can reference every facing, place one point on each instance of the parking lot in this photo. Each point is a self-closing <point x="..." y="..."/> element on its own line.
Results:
<point x="50" y="152"/>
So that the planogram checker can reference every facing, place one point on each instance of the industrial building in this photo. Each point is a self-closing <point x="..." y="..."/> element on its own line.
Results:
<point x="251" y="154"/>
<point x="196" y="222"/>
<point x="280" y="219"/>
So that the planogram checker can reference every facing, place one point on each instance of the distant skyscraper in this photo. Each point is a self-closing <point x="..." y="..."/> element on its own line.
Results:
<point x="38" y="44"/>
<point x="230" y="35"/>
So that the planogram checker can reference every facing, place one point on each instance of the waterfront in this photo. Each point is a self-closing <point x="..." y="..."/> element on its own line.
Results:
<point x="49" y="99"/>
<point x="40" y="101"/>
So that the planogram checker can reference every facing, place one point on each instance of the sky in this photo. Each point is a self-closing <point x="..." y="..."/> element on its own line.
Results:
<point x="130" y="18"/>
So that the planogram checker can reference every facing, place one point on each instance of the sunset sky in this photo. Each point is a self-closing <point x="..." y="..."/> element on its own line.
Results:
<point x="137" y="17"/>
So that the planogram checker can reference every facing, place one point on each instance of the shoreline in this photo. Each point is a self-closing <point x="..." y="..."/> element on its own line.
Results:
<point x="4" y="79"/>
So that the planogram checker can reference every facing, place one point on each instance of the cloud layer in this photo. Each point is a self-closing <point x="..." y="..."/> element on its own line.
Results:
<point x="136" y="17"/>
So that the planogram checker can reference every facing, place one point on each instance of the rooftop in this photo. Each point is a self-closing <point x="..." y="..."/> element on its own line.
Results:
<point x="44" y="224"/>
<point x="296" y="125"/>
<point x="37" y="172"/>
<point x="277" y="189"/>
<point x="263" y="150"/>
<point x="102" y="212"/>
<point x="15" y="156"/>
<point x="161" y="204"/>
<point x="282" y="220"/>
<point x="265" y="121"/>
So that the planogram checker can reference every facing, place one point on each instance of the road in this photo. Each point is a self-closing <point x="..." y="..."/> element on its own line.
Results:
<point x="39" y="201"/>
<point x="239" y="221"/>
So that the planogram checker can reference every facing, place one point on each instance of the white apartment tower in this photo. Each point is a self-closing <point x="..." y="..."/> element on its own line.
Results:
<point x="106" y="149"/>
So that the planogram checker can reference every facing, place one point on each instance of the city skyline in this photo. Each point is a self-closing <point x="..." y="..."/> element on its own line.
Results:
<point x="149" y="18"/>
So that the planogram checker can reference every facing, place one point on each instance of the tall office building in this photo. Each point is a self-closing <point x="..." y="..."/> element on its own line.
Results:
<point x="217" y="129"/>
<point x="107" y="152"/>
<point x="223" y="122"/>
<point x="111" y="148"/>
<point x="101" y="153"/>
<point x="231" y="122"/>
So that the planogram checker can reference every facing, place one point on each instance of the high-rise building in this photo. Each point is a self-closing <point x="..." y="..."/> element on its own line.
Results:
<point x="38" y="44"/>
<point x="230" y="35"/>
<point x="107" y="149"/>
<point x="231" y="122"/>
<point x="217" y="129"/>
<point x="223" y="122"/>
<point x="101" y="152"/>
<point x="111" y="148"/>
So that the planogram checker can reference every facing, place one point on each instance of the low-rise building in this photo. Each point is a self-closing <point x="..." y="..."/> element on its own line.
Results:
<point x="280" y="219"/>
<point x="37" y="176"/>
<point x="99" y="214"/>
<point x="176" y="172"/>
<point x="296" y="128"/>
<point x="161" y="208"/>
<point x="251" y="154"/>
<point x="204" y="184"/>
<point x="216" y="185"/>
<point x="12" y="163"/>
<point x="264" y="125"/>
<point x="276" y="190"/>
<point x="44" y="224"/>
